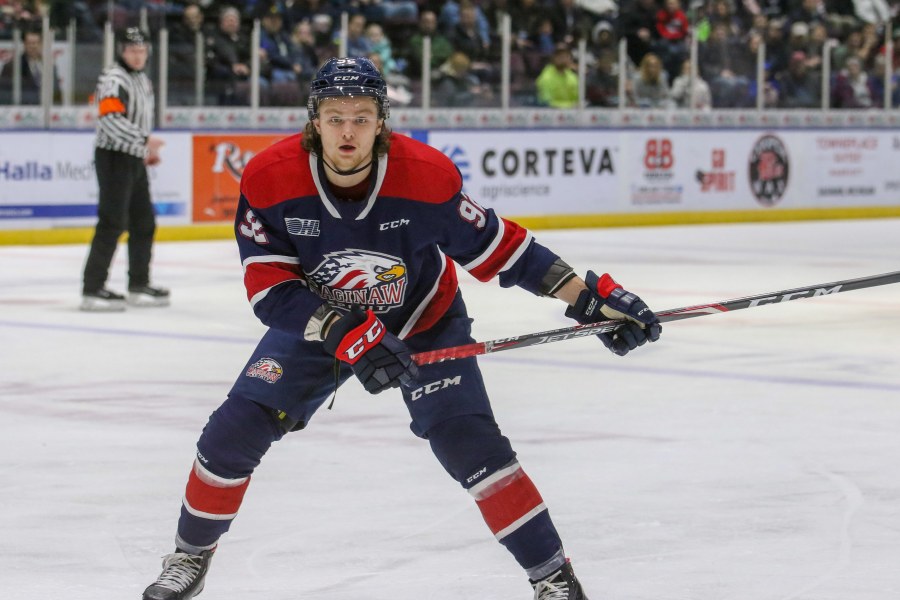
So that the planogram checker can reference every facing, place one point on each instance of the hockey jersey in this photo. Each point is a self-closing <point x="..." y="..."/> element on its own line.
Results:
<point x="393" y="252"/>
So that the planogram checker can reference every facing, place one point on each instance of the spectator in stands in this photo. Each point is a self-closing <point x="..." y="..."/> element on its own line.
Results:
<point x="281" y="59"/>
<point x="853" y="87"/>
<point x="466" y="36"/>
<point x="450" y="15"/>
<point x="305" y="54"/>
<point x="877" y="80"/>
<point x="718" y="67"/>
<point x="650" y="86"/>
<point x="277" y="47"/>
<point x="701" y="98"/>
<point x="441" y="47"/>
<point x="850" y="46"/>
<point x="398" y="85"/>
<point x="228" y="56"/>
<point x="570" y="22"/>
<point x="672" y="29"/>
<point x="871" y="42"/>
<point x="32" y="71"/>
<point x="86" y="28"/>
<point x="840" y="16"/>
<point x="773" y="8"/>
<point x="722" y="14"/>
<point x="776" y="46"/>
<point x="323" y="30"/>
<point x="808" y="11"/>
<point x="457" y="86"/>
<point x="524" y="17"/>
<point x="638" y="25"/>
<point x="800" y="41"/>
<point x="381" y="45"/>
<point x="544" y="39"/>
<point x="357" y="42"/>
<point x="557" y="85"/>
<point x="602" y="83"/>
<point x="391" y="11"/>
<point x="182" y="55"/>
<point x="799" y="88"/>
<point x="818" y="35"/>
<point x="603" y="38"/>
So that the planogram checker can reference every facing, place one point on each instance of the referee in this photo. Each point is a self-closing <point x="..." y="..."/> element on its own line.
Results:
<point x="123" y="149"/>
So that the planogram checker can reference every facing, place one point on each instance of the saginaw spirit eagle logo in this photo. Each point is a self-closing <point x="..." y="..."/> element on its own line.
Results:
<point x="267" y="369"/>
<point x="360" y="278"/>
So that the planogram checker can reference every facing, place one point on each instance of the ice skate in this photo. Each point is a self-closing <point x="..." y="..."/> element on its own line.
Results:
<point x="102" y="300"/>
<point x="146" y="295"/>
<point x="182" y="576"/>
<point x="559" y="585"/>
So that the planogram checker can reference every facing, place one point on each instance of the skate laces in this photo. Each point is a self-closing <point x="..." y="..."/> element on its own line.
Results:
<point x="552" y="588"/>
<point x="179" y="571"/>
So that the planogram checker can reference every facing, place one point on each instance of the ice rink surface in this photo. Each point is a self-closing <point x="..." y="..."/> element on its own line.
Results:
<point x="746" y="456"/>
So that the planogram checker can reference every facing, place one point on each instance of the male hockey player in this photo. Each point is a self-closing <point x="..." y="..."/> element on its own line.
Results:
<point x="345" y="294"/>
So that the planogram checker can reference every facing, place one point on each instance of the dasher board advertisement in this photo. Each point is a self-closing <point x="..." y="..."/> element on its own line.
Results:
<point x="47" y="179"/>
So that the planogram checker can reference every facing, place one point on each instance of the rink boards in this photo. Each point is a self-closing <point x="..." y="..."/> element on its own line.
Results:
<point x="542" y="177"/>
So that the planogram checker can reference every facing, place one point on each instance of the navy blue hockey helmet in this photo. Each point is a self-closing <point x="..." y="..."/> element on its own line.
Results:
<point x="348" y="77"/>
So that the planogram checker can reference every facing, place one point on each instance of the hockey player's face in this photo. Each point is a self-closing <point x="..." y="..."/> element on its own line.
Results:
<point x="348" y="127"/>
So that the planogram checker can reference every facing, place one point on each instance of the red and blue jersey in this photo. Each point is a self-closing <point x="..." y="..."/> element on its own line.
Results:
<point x="394" y="252"/>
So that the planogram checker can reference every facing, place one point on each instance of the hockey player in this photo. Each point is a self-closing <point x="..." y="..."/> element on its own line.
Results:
<point x="350" y="260"/>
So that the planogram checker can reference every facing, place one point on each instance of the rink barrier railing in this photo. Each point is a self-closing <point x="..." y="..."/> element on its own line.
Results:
<point x="15" y="118"/>
<point x="205" y="232"/>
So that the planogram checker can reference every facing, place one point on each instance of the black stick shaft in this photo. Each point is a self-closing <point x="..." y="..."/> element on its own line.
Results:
<point x="676" y="314"/>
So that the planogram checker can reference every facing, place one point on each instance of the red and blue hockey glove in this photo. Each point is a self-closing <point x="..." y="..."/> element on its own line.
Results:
<point x="378" y="358"/>
<point x="605" y="299"/>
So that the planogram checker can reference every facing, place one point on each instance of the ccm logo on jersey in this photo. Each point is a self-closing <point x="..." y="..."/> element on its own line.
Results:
<point x="434" y="386"/>
<point x="393" y="224"/>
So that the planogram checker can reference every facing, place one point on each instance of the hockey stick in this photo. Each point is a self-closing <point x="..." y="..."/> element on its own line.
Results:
<point x="676" y="314"/>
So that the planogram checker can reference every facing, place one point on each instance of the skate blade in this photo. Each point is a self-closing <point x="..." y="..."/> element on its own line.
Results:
<point x="100" y="305"/>
<point x="145" y="301"/>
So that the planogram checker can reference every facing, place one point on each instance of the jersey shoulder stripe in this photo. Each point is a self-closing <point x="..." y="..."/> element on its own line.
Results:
<point x="418" y="172"/>
<point x="278" y="173"/>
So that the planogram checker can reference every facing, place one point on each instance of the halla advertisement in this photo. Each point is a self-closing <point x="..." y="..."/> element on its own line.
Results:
<point x="47" y="179"/>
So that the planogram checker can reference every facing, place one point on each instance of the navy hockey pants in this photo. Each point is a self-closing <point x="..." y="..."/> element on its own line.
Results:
<point x="287" y="380"/>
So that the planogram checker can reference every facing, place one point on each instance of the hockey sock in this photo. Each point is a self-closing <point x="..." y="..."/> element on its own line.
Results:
<point x="235" y="439"/>
<point x="515" y="513"/>
<point x="472" y="449"/>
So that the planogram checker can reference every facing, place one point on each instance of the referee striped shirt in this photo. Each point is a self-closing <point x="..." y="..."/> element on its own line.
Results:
<point x="125" y="102"/>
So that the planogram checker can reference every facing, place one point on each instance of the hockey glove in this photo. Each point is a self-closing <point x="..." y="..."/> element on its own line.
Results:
<point x="378" y="358"/>
<point x="605" y="299"/>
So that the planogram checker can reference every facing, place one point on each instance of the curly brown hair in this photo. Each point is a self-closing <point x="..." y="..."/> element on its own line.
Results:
<point x="312" y="141"/>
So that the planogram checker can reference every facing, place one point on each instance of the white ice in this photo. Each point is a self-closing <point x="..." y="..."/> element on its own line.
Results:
<point x="746" y="456"/>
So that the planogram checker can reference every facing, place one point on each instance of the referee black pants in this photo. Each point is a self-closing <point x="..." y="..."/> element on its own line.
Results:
<point x="124" y="205"/>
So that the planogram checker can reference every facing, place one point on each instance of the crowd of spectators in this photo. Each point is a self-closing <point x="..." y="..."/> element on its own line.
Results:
<point x="297" y="35"/>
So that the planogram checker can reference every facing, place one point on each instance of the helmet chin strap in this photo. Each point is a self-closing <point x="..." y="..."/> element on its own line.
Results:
<point x="349" y="171"/>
